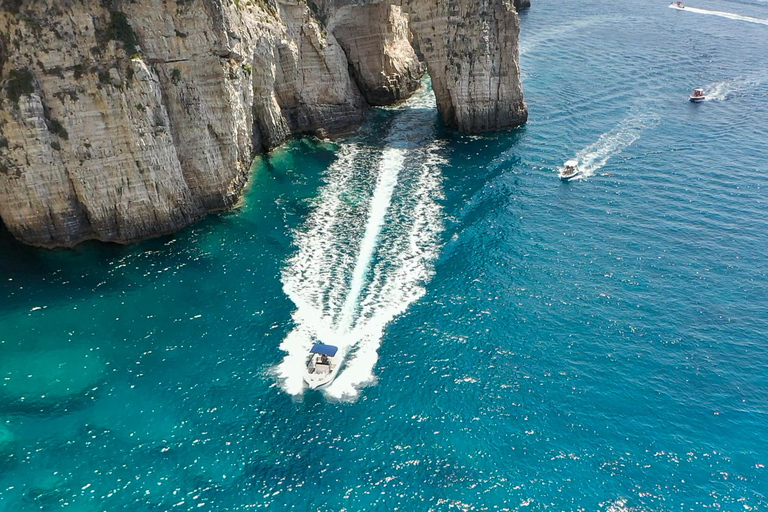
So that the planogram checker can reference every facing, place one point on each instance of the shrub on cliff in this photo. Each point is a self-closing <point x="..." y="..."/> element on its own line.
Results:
<point x="12" y="6"/>
<point x="20" y="81"/>
<point x="121" y="30"/>
<point x="55" y="127"/>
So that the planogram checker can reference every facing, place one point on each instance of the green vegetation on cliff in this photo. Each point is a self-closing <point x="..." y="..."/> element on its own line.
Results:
<point x="20" y="82"/>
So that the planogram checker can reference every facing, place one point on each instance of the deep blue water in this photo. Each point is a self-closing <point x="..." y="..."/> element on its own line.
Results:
<point x="514" y="343"/>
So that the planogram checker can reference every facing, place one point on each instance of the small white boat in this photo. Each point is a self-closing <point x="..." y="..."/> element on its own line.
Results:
<point x="677" y="5"/>
<point x="570" y="170"/>
<point x="323" y="365"/>
<point x="697" y="96"/>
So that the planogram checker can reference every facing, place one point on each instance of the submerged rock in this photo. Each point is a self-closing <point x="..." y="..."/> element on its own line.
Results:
<point x="46" y="490"/>
<point x="7" y="441"/>
<point x="34" y="381"/>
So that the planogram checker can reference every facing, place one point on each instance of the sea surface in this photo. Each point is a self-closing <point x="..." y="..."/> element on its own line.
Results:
<point x="511" y="342"/>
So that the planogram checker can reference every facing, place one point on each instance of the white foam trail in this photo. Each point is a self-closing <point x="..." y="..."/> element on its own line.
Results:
<point x="348" y="283"/>
<point x="314" y="269"/>
<point x="422" y="98"/>
<point x="314" y="253"/>
<point x="596" y="155"/>
<point x="722" y="14"/>
<point x="398" y="278"/>
<point x="391" y="162"/>
<point x="720" y="91"/>
<point x="620" y="505"/>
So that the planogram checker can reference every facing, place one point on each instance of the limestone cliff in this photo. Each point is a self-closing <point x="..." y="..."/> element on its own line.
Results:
<point x="125" y="119"/>
<point x="470" y="48"/>
<point x="376" y="39"/>
<point x="472" y="55"/>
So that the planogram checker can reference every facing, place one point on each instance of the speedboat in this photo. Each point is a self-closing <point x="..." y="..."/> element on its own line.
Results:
<point x="570" y="170"/>
<point x="323" y="365"/>
<point x="677" y="5"/>
<point x="697" y="96"/>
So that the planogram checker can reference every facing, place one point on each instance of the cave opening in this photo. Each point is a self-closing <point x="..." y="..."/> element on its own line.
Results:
<point x="7" y="240"/>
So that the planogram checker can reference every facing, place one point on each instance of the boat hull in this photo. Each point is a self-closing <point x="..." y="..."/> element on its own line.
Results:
<point x="697" y="99"/>
<point x="316" y="381"/>
<point x="569" y="177"/>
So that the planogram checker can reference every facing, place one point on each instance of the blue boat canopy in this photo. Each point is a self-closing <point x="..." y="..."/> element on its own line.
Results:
<point x="322" y="348"/>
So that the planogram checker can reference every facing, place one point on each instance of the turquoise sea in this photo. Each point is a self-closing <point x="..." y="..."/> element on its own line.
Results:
<point x="513" y="342"/>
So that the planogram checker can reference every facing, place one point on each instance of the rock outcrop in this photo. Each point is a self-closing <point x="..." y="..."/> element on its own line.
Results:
<point x="471" y="51"/>
<point x="522" y="4"/>
<point x="121" y="120"/>
<point x="376" y="39"/>
<point x="470" y="48"/>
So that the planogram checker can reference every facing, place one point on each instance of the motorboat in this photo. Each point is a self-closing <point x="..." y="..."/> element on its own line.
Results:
<point x="697" y="96"/>
<point x="570" y="170"/>
<point x="323" y="365"/>
<point x="677" y="5"/>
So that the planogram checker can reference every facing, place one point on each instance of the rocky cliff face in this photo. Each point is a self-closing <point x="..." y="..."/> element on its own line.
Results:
<point x="376" y="39"/>
<point x="470" y="48"/>
<point x="121" y="120"/>
<point x="472" y="55"/>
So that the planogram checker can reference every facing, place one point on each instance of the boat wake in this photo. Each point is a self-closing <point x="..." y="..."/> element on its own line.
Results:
<point x="595" y="156"/>
<point x="722" y="14"/>
<point x="532" y="42"/>
<point x="721" y="91"/>
<point x="366" y="250"/>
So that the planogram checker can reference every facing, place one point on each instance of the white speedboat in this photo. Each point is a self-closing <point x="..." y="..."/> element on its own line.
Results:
<point x="323" y="365"/>
<point x="570" y="170"/>
<point x="677" y="5"/>
<point x="697" y="96"/>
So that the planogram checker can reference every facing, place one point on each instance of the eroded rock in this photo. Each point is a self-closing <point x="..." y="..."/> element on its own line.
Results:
<point x="99" y="145"/>
<point x="376" y="40"/>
